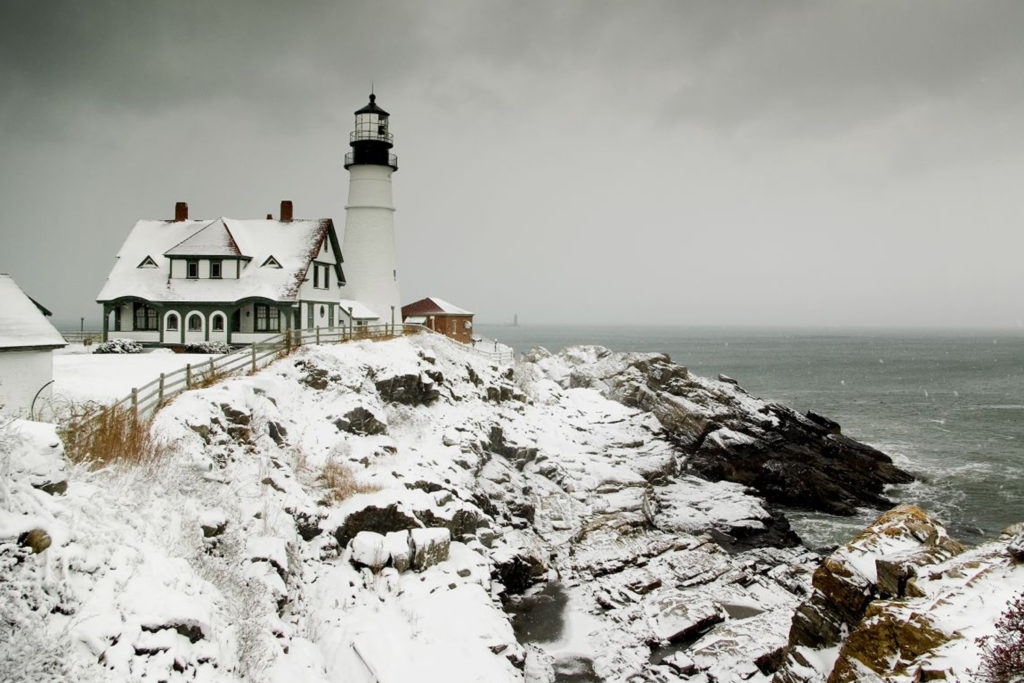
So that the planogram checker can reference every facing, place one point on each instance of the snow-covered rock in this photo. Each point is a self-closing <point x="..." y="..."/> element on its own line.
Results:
<point x="278" y="538"/>
<point x="901" y="602"/>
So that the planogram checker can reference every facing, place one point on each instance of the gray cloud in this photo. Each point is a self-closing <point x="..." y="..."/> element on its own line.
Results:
<point x="784" y="162"/>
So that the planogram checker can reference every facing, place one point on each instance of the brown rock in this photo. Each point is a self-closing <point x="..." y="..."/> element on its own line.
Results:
<point x="36" y="539"/>
<point x="883" y="641"/>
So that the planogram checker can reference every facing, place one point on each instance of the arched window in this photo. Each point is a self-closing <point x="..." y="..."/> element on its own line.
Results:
<point x="172" y="322"/>
<point x="217" y="323"/>
<point x="195" y="323"/>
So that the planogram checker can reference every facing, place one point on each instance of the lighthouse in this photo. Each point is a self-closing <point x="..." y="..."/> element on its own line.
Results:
<point x="369" y="243"/>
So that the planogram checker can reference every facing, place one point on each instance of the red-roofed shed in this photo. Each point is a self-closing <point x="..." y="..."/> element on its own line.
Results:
<point x="440" y="316"/>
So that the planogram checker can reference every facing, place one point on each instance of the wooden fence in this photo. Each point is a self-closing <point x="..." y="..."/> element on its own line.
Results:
<point x="145" y="400"/>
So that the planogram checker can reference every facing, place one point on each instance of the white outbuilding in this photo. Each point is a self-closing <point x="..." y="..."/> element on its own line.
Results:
<point x="27" y="341"/>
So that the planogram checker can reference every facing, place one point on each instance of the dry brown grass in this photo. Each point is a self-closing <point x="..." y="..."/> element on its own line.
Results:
<point x="99" y="436"/>
<point x="340" y="482"/>
<point x="204" y="379"/>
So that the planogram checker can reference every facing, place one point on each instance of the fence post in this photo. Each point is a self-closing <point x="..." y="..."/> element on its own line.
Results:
<point x="135" y="403"/>
<point x="317" y="334"/>
<point x="160" y="391"/>
<point x="254" y="356"/>
<point x="211" y="371"/>
<point x="188" y="376"/>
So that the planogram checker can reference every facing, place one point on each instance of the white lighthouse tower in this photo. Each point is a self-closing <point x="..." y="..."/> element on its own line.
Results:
<point x="369" y="246"/>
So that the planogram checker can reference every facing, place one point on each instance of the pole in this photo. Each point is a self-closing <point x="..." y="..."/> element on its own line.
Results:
<point x="188" y="376"/>
<point x="254" y="356"/>
<point x="160" y="391"/>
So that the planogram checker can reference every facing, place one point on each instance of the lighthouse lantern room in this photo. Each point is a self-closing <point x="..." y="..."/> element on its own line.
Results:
<point x="371" y="141"/>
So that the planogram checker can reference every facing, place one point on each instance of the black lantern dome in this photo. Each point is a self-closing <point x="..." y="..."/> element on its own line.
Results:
<point x="371" y="141"/>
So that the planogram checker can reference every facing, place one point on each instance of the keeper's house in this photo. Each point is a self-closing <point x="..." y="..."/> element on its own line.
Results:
<point x="237" y="281"/>
<point x="27" y="341"/>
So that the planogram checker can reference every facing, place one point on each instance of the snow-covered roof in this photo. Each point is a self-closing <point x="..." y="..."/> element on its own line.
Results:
<point x="359" y="311"/>
<point x="432" y="305"/>
<point x="292" y="244"/>
<point x="22" y="324"/>
<point x="213" y="240"/>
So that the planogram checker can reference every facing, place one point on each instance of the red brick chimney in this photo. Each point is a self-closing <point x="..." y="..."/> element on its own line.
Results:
<point x="181" y="211"/>
<point x="286" y="211"/>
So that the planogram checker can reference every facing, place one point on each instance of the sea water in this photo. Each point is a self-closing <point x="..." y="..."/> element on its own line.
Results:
<point x="947" y="405"/>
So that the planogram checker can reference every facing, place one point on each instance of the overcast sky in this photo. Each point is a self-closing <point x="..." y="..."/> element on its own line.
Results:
<point x="768" y="163"/>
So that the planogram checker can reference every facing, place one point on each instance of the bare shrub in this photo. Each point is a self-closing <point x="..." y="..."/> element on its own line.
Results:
<point x="206" y="379"/>
<point x="341" y="483"/>
<point x="99" y="435"/>
<point x="1002" y="655"/>
<point x="29" y="649"/>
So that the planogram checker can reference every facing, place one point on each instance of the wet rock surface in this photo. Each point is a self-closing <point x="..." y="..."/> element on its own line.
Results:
<point x="726" y="434"/>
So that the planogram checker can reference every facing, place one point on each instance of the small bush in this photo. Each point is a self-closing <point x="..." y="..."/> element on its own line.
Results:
<point x="100" y="435"/>
<point x="341" y="483"/>
<point x="1002" y="655"/>
<point x="119" y="346"/>
<point x="217" y="347"/>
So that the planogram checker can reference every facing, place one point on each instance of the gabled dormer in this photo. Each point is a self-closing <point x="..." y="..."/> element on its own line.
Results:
<point x="210" y="253"/>
<point x="148" y="262"/>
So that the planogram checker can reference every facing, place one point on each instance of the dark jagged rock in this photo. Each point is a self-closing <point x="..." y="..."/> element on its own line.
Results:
<point x="414" y="390"/>
<point x="776" y="533"/>
<point x="315" y="377"/>
<point x="520" y="455"/>
<point x="277" y="432"/>
<point x="794" y="463"/>
<point x="378" y="520"/>
<point x="362" y="422"/>
<point x="725" y="434"/>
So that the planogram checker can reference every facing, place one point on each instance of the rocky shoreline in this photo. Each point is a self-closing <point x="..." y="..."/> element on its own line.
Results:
<point x="371" y="498"/>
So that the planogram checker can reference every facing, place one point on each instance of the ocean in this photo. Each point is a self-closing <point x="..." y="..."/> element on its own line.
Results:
<point x="948" y="406"/>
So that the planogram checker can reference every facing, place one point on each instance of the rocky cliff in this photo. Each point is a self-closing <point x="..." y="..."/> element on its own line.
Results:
<point x="487" y="523"/>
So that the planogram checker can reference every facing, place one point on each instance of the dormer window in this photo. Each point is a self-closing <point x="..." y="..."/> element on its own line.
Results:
<point x="147" y="262"/>
<point x="321" y="276"/>
<point x="271" y="262"/>
<point x="192" y="270"/>
<point x="215" y="270"/>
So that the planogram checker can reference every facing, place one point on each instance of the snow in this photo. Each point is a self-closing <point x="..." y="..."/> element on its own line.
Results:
<point x="213" y="240"/>
<point x="22" y="324"/>
<point x="134" y="587"/>
<point x="80" y="377"/>
<point x="433" y="304"/>
<point x="293" y="244"/>
<point x="357" y="310"/>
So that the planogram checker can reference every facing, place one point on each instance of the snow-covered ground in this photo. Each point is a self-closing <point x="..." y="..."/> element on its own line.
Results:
<point x="80" y="375"/>
<point x="366" y="512"/>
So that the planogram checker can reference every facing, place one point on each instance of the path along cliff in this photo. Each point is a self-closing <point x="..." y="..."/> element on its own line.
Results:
<point x="377" y="511"/>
